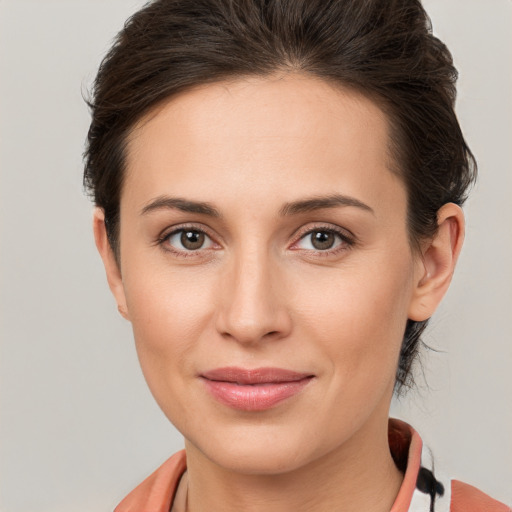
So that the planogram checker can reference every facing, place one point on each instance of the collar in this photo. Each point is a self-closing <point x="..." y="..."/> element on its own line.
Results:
<point x="420" y="488"/>
<point x="423" y="485"/>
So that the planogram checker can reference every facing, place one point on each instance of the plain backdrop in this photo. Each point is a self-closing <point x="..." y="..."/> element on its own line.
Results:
<point x="78" y="427"/>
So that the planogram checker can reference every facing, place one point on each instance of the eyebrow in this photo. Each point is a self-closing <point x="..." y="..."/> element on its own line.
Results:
<point x="319" y="203"/>
<point x="185" y="205"/>
<point x="293" y="208"/>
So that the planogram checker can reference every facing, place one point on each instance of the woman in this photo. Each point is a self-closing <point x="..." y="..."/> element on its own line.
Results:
<point x="279" y="187"/>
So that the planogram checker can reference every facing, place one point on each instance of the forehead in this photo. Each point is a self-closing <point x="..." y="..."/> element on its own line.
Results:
<point x="280" y="131"/>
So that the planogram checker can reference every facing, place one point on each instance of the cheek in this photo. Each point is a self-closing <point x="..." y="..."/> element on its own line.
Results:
<point x="169" y="310"/>
<point x="359" y="315"/>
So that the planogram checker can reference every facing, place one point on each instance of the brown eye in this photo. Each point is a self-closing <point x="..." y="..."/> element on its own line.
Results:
<point x="192" y="240"/>
<point x="322" y="240"/>
<point x="185" y="240"/>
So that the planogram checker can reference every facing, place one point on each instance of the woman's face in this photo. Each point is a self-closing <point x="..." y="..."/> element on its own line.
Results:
<point x="262" y="233"/>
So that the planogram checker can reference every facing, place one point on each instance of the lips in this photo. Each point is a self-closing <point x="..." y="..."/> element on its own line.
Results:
<point x="255" y="389"/>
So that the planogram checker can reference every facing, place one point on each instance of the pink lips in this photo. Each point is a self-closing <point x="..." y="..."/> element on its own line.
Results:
<point x="254" y="390"/>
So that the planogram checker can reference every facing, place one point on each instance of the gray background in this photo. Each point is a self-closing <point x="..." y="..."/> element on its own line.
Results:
<point x="78" y="427"/>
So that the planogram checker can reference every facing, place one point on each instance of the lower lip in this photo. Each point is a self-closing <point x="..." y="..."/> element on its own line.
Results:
<point x="256" y="397"/>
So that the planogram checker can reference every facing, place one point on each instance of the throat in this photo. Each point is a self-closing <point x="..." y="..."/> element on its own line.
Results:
<point x="352" y="490"/>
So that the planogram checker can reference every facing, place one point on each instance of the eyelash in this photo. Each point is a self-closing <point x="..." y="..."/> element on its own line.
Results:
<point x="166" y="236"/>
<point x="347" y="240"/>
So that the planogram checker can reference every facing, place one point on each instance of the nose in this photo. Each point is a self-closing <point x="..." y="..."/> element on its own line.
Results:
<point x="253" y="301"/>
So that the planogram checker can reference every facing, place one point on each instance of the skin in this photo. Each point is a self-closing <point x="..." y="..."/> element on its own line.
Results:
<point x="258" y="293"/>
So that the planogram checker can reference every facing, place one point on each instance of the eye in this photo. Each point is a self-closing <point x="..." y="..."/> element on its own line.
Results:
<point x="322" y="240"/>
<point x="189" y="240"/>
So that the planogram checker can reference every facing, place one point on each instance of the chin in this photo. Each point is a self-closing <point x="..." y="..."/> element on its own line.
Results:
<point x="259" y="450"/>
<point x="258" y="460"/>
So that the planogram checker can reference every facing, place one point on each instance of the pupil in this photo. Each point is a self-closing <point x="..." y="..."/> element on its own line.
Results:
<point x="322" y="240"/>
<point x="192" y="239"/>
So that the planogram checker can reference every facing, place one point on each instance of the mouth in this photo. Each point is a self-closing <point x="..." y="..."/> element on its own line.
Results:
<point x="254" y="389"/>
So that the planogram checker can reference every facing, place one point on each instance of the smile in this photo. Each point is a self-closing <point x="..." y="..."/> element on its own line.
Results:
<point x="254" y="390"/>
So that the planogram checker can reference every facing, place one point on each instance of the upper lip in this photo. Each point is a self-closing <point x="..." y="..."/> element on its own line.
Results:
<point x="254" y="376"/>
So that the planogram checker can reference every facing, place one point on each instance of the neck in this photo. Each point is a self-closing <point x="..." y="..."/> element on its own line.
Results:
<point x="359" y="475"/>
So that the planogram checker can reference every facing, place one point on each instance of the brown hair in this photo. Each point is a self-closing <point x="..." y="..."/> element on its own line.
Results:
<point x="382" y="48"/>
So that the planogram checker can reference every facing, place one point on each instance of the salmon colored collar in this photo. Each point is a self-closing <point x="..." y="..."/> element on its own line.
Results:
<point x="156" y="493"/>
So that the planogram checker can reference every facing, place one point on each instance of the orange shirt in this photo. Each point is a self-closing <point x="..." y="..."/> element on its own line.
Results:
<point x="421" y="490"/>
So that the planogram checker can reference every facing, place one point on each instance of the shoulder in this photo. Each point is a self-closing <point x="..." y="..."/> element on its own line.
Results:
<point x="466" y="498"/>
<point x="156" y="492"/>
<point x="426" y="486"/>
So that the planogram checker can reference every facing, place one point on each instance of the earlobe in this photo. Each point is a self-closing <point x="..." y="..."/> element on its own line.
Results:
<point x="438" y="260"/>
<point x="112" y="269"/>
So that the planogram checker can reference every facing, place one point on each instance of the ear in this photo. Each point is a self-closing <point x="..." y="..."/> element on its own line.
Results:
<point x="114" y="278"/>
<point x="437" y="263"/>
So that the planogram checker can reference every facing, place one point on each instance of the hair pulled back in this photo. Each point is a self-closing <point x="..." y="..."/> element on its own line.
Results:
<point x="385" y="49"/>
